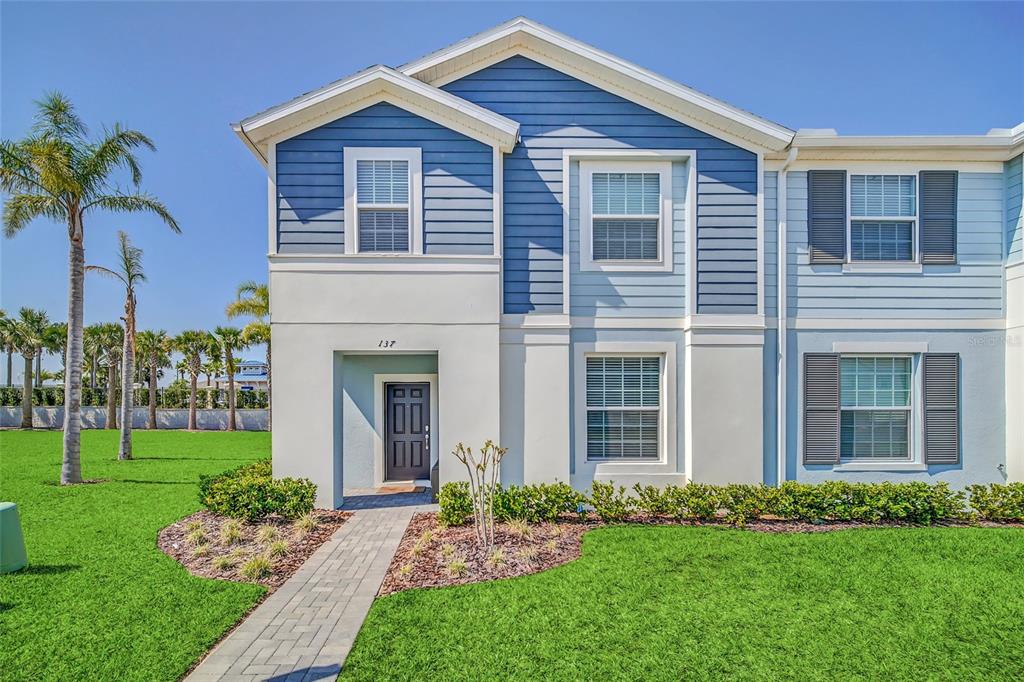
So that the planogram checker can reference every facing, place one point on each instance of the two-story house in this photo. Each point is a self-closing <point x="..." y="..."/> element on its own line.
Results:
<point x="523" y="238"/>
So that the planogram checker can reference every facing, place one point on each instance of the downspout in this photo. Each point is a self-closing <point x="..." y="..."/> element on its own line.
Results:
<point x="781" y="335"/>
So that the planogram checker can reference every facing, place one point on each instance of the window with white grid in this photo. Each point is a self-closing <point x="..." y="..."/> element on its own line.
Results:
<point x="382" y="203"/>
<point x="875" y="407"/>
<point x="883" y="217"/>
<point x="626" y="215"/>
<point x="623" y="404"/>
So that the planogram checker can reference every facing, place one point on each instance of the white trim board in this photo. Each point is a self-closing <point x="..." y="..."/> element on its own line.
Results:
<point x="378" y="419"/>
<point x="376" y="84"/>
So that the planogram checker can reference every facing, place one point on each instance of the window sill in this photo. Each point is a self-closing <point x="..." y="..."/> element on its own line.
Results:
<point x="881" y="466"/>
<point x="884" y="268"/>
<point x="625" y="266"/>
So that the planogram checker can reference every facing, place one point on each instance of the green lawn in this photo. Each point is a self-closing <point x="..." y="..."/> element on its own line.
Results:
<point x="99" y="600"/>
<point x="670" y="603"/>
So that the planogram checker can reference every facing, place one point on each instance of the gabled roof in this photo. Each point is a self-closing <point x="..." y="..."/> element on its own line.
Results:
<point x="522" y="36"/>
<point x="376" y="84"/>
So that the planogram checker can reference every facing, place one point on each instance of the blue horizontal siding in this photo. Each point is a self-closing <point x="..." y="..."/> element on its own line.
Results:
<point x="771" y="243"/>
<point x="557" y="112"/>
<point x="1014" y="172"/>
<point x="629" y="294"/>
<point x="457" y="182"/>
<point x="973" y="288"/>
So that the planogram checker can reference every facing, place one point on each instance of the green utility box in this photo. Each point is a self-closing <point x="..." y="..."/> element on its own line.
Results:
<point x="12" y="544"/>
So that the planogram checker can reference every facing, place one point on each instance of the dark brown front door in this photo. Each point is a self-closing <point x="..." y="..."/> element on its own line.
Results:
<point x="407" y="443"/>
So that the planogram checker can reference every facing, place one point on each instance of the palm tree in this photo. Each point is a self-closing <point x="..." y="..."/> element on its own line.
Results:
<point x="129" y="272"/>
<point x="211" y="368"/>
<point x="253" y="300"/>
<point x="181" y="368"/>
<point x="111" y="339"/>
<point x="53" y="343"/>
<point x="7" y="344"/>
<point x="92" y="347"/>
<point x="57" y="172"/>
<point x="192" y="344"/>
<point x="230" y="339"/>
<point x="28" y="332"/>
<point x="154" y="349"/>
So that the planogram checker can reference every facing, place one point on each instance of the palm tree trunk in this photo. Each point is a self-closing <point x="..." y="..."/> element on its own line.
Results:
<point x="231" y="388"/>
<point x="71" y="467"/>
<point x="10" y="367"/>
<point x="92" y="372"/>
<point x="39" y="369"/>
<point x="192" y="403"/>
<point x="111" y="395"/>
<point x="152" y="397"/>
<point x="26" y="395"/>
<point x="127" y="397"/>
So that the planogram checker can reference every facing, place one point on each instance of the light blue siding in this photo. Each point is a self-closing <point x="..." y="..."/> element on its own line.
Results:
<point x="1014" y="172"/>
<point x="983" y="412"/>
<point x="771" y="243"/>
<point x="557" y="112"/>
<point x="972" y="288"/>
<point x="457" y="182"/>
<point x="630" y="294"/>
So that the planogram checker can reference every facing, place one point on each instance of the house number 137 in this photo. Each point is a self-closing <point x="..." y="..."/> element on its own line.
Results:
<point x="386" y="343"/>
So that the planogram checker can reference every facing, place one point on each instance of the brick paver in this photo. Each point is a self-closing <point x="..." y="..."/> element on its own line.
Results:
<point x="305" y="629"/>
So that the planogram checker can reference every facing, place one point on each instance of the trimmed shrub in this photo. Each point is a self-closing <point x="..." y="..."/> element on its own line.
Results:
<point x="611" y="504"/>
<point x="654" y="501"/>
<point x="699" y="501"/>
<point x="250" y="492"/>
<point x="455" y="503"/>
<point x="997" y="502"/>
<point x="536" y="503"/>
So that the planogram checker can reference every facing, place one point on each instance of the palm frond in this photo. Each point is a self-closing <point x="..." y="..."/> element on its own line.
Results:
<point x="134" y="203"/>
<point x="21" y="209"/>
<point x="113" y="151"/>
<point x="55" y="117"/>
<point x="106" y="272"/>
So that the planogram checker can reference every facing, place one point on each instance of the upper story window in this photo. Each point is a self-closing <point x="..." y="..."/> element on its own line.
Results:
<point x="623" y="407"/>
<point x="883" y="217"/>
<point x="625" y="217"/>
<point x="875" y="407"/>
<point x="383" y="201"/>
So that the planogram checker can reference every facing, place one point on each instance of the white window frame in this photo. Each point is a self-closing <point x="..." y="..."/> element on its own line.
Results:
<point x="660" y="408"/>
<point x="663" y="263"/>
<point x="915" y="424"/>
<point x="414" y="156"/>
<point x="915" y="229"/>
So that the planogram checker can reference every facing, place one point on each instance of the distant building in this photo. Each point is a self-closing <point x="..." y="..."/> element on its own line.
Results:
<point x="251" y="375"/>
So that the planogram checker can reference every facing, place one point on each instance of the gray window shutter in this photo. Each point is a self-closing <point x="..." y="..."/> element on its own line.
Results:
<point x="938" y="217"/>
<point x="826" y="215"/>
<point x="821" y="408"/>
<point x="942" y="408"/>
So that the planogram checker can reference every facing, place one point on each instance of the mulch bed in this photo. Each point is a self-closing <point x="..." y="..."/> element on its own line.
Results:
<point x="172" y="540"/>
<point x="434" y="556"/>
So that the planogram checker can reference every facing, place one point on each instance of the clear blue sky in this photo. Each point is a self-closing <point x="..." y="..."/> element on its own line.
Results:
<point x="181" y="72"/>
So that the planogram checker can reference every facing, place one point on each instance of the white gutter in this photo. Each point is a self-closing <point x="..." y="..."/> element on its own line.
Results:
<point x="781" y="335"/>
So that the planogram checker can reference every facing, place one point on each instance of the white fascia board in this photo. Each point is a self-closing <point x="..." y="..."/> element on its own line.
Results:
<point x="522" y="36"/>
<point x="380" y="83"/>
<point x="996" y="145"/>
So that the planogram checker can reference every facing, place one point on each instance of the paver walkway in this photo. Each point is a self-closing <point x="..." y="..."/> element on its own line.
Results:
<point x="305" y="629"/>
